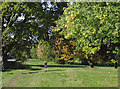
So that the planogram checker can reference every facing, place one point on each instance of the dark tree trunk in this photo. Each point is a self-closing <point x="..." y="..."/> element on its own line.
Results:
<point x="5" y="50"/>
<point x="115" y="65"/>
<point x="5" y="66"/>
<point x="91" y="64"/>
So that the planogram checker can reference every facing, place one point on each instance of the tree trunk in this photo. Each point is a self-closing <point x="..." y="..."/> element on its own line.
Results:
<point x="115" y="65"/>
<point x="5" y="66"/>
<point x="91" y="64"/>
<point x="5" y="50"/>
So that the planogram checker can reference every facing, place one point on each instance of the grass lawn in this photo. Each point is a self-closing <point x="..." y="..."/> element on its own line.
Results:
<point x="58" y="75"/>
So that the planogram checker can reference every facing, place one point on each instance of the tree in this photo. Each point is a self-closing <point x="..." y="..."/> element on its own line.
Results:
<point x="25" y="24"/>
<point x="44" y="51"/>
<point x="93" y="25"/>
<point x="18" y="31"/>
<point x="65" y="49"/>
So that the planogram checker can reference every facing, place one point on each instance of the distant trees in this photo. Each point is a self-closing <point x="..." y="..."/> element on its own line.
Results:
<point x="95" y="28"/>
<point x="33" y="52"/>
<point x="45" y="51"/>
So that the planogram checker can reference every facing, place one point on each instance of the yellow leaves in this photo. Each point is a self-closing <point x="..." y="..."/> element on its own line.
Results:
<point x="68" y="26"/>
<point x="74" y="15"/>
<point x="116" y="33"/>
<point x="65" y="59"/>
<point x="54" y="29"/>
<point x="66" y="36"/>
<point x="105" y="15"/>
<point x="98" y="48"/>
<point x="102" y="18"/>
<point x="68" y="8"/>
<point x="98" y="16"/>
<point x="93" y="50"/>
<point x="64" y="8"/>
<point x="71" y="15"/>
<point x="101" y="30"/>
<point x="71" y="11"/>
<point x="94" y="31"/>
<point x="68" y="18"/>
<point x="72" y="42"/>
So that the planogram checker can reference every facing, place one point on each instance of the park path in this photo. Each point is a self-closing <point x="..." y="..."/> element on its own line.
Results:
<point x="14" y="80"/>
<point x="18" y="77"/>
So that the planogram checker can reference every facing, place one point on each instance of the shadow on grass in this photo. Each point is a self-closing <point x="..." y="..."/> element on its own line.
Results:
<point x="53" y="70"/>
<point x="99" y="64"/>
<point x="29" y="73"/>
<point x="17" y="66"/>
<point x="62" y="66"/>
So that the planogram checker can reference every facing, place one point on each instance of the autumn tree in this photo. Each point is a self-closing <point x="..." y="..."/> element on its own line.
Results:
<point x="65" y="50"/>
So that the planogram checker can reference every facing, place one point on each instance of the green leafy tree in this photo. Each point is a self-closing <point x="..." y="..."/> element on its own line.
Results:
<point x="24" y="24"/>
<point x="93" y="25"/>
<point x="16" y="31"/>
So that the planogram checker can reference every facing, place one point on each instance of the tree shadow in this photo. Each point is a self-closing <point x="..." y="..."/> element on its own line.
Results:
<point x="62" y="66"/>
<point x="53" y="70"/>
<point x="29" y="73"/>
<point x="20" y="66"/>
<point x="99" y="64"/>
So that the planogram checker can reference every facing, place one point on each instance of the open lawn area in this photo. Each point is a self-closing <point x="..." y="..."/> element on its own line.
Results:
<point x="58" y="75"/>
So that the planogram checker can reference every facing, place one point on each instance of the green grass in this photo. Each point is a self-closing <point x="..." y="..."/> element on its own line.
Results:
<point x="58" y="75"/>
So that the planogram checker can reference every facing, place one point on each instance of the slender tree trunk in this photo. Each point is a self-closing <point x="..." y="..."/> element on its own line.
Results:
<point x="115" y="65"/>
<point x="91" y="64"/>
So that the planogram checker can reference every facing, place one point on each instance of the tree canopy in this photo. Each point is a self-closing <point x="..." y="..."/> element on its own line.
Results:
<point x="93" y="25"/>
<point x="26" y="23"/>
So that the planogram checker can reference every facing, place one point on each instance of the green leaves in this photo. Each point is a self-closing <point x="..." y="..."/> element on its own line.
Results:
<point x="114" y="61"/>
<point x="92" y="24"/>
